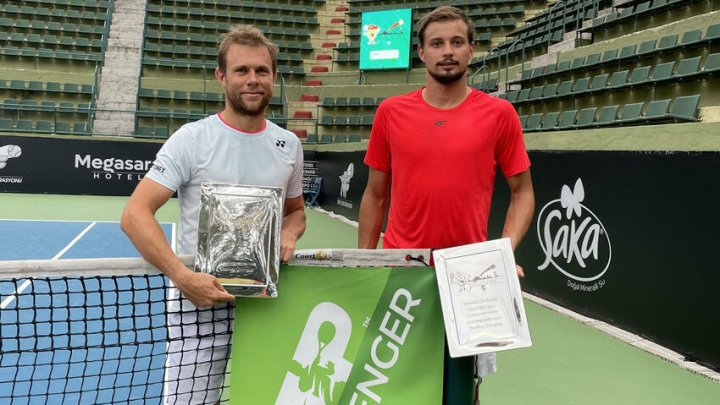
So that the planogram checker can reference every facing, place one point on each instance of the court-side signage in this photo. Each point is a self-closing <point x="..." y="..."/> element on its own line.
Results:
<point x="73" y="166"/>
<point x="573" y="239"/>
<point x="344" y="179"/>
<point x="626" y="238"/>
<point x="362" y="336"/>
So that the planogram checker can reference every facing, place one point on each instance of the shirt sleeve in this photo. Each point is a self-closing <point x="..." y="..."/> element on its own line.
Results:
<point x="377" y="155"/>
<point x="173" y="164"/>
<point x="510" y="152"/>
<point x="294" y="187"/>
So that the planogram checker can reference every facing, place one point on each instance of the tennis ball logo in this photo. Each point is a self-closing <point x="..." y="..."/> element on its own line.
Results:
<point x="8" y="152"/>
<point x="319" y="370"/>
<point x="345" y="180"/>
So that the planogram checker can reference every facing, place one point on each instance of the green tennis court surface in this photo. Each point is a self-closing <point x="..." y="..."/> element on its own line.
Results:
<point x="569" y="362"/>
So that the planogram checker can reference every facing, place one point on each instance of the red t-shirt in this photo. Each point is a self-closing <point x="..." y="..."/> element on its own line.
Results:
<point x="442" y="166"/>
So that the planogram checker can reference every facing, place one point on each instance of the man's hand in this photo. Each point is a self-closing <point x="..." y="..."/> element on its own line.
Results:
<point x="520" y="271"/>
<point x="203" y="290"/>
<point x="287" y="246"/>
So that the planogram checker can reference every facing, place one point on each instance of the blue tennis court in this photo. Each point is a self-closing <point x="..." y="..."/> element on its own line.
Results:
<point x="88" y="340"/>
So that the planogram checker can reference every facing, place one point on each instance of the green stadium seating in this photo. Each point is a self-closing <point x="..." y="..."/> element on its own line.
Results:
<point x="340" y="138"/>
<point x="354" y="138"/>
<point x="631" y="113"/>
<point x="567" y="119"/>
<point x="533" y="122"/>
<point x="662" y="71"/>
<point x="586" y="117"/>
<point x="712" y="63"/>
<point x="6" y="124"/>
<point x="657" y="109"/>
<point x="608" y="115"/>
<point x="685" y="108"/>
<point x="639" y="75"/>
<point x="581" y="85"/>
<point x="687" y="67"/>
<point x="618" y="79"/>
<point x="565" y="88"/>
<point x="326" y="139"/>
<point x="598" y="82"/>
<point x="549" y="121"/>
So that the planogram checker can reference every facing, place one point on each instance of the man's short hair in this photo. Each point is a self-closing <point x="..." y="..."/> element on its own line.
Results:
<point x="248" y="35"/>
<point x="445" y="13"/>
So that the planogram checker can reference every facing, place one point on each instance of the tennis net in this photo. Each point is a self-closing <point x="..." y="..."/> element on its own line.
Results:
<point x="95" y="331"/>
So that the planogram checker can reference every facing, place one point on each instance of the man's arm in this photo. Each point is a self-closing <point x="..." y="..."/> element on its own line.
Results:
<point x="521" y="209"/>
<point x="139" y="223"/>
<point x="372" y="209"/>
<point x="293" y="226"/>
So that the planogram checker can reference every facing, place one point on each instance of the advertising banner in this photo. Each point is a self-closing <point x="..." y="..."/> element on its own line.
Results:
<point x="344" y="179"/>
<point x="385" y="39"/>
<point x="73" y="166"/>
<point x="341" y="336"/>
<point x="626" y="237"/>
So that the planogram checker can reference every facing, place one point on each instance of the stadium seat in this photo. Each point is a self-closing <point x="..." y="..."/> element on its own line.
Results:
<point x="533" y="122"/>
<point x="598" y="82"/>
<point x="685" y="108"/>
<point x="662" y="71"/>
<point x="23" y="125"/>
<point x="567" y="119"/>
<point x="326" y="139"/>
<point x="657" y="109"/>
<point x="340" y="138"/>
<point x="6" y="124"/>
<point x="618" y="79"/>
<point x="639" y="75"/>
<point x="354" y="138"/>
<point x="608" y="115"/>
<point x="549" y="121"/>
<point x="667" y="42"/>
<point x="687" y="67"/>
<point x="631" y="113"/>
<point x="586" y="117"/>
<point x="565" y="88"/>
<point x="581" y="85"/>
<point x="712" y="63"/>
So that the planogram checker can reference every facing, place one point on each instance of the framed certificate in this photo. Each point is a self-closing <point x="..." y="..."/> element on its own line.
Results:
<point x="239" y="237"/>
<point x="481" y="298"/>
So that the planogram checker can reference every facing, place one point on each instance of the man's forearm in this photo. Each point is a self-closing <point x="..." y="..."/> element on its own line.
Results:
<point x="519" y="216"/>
<point x="293" y="224"/>
<point x="372" y="214"/>
<point x="149" y="239"/>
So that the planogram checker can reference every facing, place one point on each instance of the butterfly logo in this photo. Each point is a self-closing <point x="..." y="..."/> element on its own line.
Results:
<point x="571" y="200"/>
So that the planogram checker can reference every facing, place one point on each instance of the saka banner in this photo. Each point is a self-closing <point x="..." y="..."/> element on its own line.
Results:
<point x="341" y="336"/>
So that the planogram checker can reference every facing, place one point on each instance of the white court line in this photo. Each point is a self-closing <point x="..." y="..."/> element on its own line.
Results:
<point x="9" y="299"/>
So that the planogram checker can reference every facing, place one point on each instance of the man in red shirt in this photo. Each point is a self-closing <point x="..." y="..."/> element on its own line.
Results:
<point x="435" y="150"/>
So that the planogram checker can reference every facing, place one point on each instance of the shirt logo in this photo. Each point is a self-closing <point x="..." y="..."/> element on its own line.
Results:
<point x="440" y="123"/>
<point x="279" y="143"/>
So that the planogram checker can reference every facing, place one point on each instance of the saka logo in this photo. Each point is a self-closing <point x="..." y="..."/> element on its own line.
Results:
<point x="319" y="370"/>
<point x="574" y="240"/>
<point x="345" y="186"/>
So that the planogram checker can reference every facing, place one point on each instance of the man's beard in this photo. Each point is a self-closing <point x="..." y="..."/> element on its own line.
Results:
<point x="237" y="103"/>
<point x="447" y="79"/>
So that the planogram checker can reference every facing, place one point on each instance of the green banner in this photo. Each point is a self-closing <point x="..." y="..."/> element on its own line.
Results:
<point x="340" y="336"/>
